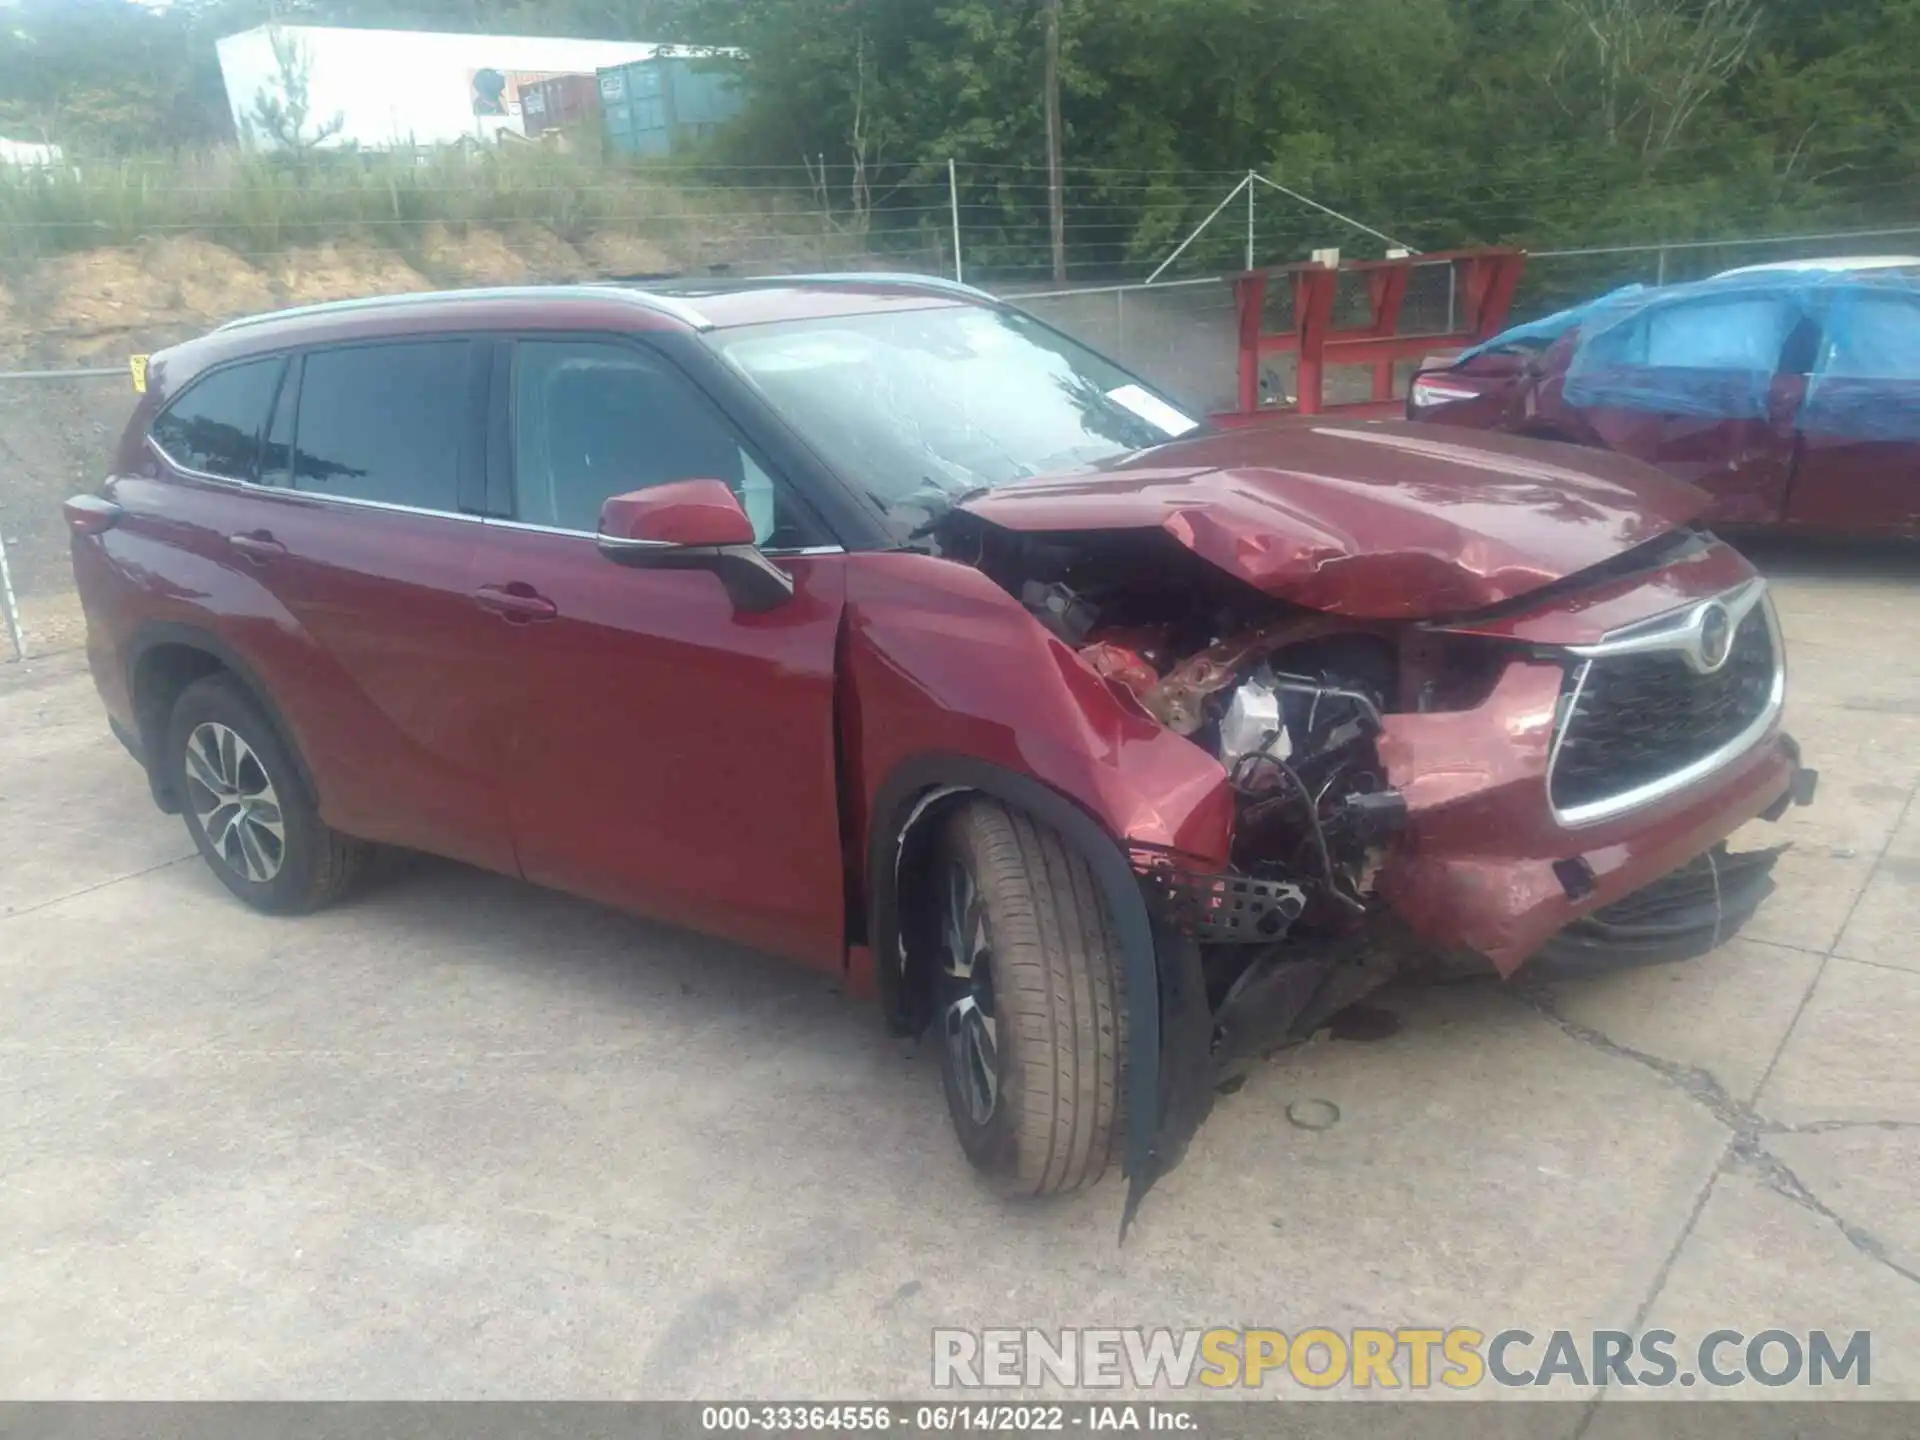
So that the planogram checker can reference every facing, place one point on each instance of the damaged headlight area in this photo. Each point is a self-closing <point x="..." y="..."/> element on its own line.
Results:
<point x="1291" y="933"/>
<point x="1291" y="703"/>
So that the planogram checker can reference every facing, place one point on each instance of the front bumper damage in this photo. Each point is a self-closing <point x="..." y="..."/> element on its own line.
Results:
<point x="1678" y="917"/>
<point x="1651" y="889"/>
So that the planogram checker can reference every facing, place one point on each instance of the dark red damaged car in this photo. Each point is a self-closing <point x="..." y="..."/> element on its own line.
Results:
<point x="869" y="621"/>
<point x="1789" y="393"/>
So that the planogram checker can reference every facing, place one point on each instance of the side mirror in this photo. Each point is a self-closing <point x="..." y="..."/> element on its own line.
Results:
<point x="693" y="525"/>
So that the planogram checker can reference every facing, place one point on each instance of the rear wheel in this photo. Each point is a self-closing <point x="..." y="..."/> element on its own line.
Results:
<point x="246" y="807"/>
<point x="1030" y="1011"/>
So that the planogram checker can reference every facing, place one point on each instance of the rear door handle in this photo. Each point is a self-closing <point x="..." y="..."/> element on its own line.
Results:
<point x="518" y="602"/>
<point x="258" y="546"/>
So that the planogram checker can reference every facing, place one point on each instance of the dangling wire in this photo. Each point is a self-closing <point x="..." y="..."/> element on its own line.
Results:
<point x="1308" y="803"/>
<point x="1713" y="865"/>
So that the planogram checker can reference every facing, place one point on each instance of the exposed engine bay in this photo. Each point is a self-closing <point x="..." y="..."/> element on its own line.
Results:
<point x="1290" y="702"/>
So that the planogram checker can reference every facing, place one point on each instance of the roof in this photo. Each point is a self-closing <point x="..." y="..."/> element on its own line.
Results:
<point x="1834" y="264"/>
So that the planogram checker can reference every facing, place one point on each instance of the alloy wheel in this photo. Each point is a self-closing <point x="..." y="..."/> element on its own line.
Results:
<point x="966" y="995"/>
<point x="234" y="799"/>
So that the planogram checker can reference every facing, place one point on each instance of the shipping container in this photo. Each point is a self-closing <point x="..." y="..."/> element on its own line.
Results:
<point x="407" y="87"/>
<point x="660" y="105"/>
<point x="559" y="102"/>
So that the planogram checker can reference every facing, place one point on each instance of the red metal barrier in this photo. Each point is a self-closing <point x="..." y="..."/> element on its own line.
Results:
<point x="1483" y="280"/>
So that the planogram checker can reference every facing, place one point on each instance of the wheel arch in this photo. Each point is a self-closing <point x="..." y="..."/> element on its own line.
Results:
<point x="906" y="813"/>
<point x="165" y="658"/>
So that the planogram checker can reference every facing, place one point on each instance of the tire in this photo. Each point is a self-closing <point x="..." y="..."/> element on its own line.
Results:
<point x="303" y="866"/>
<point x="1016" y="904"/>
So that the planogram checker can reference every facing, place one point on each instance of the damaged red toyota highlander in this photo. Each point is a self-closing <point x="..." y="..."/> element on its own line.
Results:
<point x="869" y="621"/>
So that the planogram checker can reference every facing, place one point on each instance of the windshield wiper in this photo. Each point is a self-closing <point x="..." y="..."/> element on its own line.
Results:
<point x="949" y="501"/>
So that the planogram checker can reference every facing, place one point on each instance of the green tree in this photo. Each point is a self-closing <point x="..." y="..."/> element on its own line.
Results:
<point x="283" y="116"/>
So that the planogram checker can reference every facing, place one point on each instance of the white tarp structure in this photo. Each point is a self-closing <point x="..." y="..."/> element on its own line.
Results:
<point x="399" y="87"/>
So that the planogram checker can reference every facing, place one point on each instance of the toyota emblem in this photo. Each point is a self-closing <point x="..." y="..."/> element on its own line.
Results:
<point x="1716" y="636"/>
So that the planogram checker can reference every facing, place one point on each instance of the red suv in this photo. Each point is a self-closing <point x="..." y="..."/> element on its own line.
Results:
<point x="872" y="622"/>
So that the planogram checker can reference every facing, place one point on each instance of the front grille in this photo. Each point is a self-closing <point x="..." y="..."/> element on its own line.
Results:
<point x="1638" y="718"/>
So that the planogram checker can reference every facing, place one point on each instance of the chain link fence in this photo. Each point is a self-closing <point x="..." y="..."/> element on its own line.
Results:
<point x="57" y="432"/>
<point x="1179" y="334"/>
<point x="58" y="427"/>
<point x="1557" y="278"/>
<point x="1183" y="335"/>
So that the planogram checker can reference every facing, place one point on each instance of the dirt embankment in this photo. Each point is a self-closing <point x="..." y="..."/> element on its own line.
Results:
<point x="104" y="304"/>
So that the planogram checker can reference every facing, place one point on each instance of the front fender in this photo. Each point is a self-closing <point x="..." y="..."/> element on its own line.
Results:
<point x="937" y="659"/>
<point x="950" y="687"/>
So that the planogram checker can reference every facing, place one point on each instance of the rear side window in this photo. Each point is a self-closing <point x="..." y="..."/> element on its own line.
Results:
<point x="1744" y="333"/>
<point x="214" y="425"/>
<point x="384" y="422"/>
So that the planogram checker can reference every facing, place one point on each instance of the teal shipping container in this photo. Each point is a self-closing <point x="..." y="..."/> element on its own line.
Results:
<point x="661" y="105"/>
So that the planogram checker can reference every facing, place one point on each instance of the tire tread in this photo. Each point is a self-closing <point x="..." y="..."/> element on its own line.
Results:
<point x="1060" y="991"/>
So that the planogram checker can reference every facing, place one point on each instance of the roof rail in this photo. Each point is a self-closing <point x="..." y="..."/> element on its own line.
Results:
<point x="695" y="284"/>
<point x="924" y="282"/>
<point x="327" y="307"/>
<point x="672" y="304"/>
<point x="665" y="304"/>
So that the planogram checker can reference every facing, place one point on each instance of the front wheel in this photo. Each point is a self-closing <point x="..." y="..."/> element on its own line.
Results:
<point x="1030" y="1003"/>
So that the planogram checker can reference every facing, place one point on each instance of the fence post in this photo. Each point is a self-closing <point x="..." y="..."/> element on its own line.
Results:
<point x="953" y="205"/>
<point x="1660" y="266"/>
<point x="10" y="605"/>
<point x="1249" y="264"/>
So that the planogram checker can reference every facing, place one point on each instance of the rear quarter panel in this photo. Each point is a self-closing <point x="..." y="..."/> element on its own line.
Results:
<point x="384" y="769"/>
<point x="164" y="565"/>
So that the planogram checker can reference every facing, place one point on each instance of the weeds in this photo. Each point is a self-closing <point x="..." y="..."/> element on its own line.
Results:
<point x="260" y="205"/>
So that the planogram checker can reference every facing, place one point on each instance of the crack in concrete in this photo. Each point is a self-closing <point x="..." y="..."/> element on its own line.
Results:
<point x="1822" y="1127"/>
<point x="1750" y="1128"/>
<point x="1697" y="1084"/>
<point x="1752" y="1156"/>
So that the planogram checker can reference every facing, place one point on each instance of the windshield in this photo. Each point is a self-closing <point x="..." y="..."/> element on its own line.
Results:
<point x="922" y="407"/>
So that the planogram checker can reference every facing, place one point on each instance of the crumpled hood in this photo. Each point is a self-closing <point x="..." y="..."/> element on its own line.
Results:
<point x="1373" y="520"/>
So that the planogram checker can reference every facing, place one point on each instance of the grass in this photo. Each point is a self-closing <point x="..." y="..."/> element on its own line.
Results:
<point x="262" y="204"/>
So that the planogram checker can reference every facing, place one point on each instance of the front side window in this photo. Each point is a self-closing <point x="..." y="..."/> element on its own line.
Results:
<point x="384" y="422"/>
<point x="1866" y="381"/>
<point x="214" y="425"/>
<point x="1873" y="337"/>
<point x="594" y="419"/>
<point x="917" y="407"/>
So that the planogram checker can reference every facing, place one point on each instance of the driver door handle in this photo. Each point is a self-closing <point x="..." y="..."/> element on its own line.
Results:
<point x="258" y="546"/>
<point x="517" y="601"/>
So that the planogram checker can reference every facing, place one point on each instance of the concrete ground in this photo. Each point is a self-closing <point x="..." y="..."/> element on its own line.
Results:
<point x="462" y="1137"/>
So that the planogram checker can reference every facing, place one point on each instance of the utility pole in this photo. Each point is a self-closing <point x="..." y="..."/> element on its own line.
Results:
<point x="1056" y="187"/>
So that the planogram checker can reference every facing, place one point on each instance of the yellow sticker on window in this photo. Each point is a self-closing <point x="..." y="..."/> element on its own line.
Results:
<point x="138" y="365"/>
